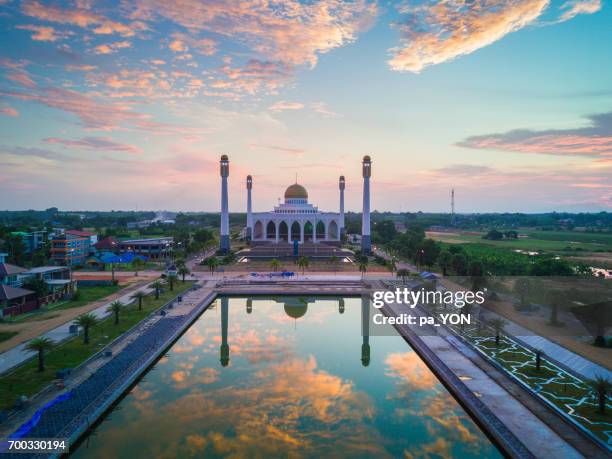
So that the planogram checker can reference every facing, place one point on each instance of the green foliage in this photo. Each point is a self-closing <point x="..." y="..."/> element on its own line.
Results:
<point x="303" y="263"/>
<point x="40" y="345"/>
<point x="38" y="286"/>
<point x="383" y="232"/>
<point x="86" y="321"/>
<point x="547" y="266"/>
<point x="275" y="264"/>
<point x="494" y="235"/>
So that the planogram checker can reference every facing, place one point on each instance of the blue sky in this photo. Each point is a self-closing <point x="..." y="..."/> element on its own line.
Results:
<point x="128" y="105"/>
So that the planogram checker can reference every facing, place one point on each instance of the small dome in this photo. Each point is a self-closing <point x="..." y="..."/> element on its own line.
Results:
<point x="296" y="191"/>
<point x="342" y="177"/>
<point x="224" y="158"/>
<point x="366" y="159"/>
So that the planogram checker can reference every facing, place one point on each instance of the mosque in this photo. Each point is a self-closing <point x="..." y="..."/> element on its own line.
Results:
<point x="295" y="227"/>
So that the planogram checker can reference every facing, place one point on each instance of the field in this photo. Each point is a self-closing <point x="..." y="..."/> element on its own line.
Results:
<point x="26" y="380"/>
<point x="553" y="241"/>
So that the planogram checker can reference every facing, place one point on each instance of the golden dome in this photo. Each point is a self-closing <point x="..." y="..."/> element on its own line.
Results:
<point x="296" y="191"/>
<point x="224" y="158"/>
<point x="295" y="312"/>
<point x="366" y="159"/>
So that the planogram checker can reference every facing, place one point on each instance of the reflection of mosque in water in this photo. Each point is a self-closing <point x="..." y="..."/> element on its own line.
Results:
<point x="295" y="307"/>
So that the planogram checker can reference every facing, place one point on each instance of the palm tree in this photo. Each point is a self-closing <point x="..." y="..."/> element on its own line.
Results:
<point x="303" y="263"/>
<point x="498" y="325"/>
<point x="157" y="285"/>
<point x="275" y="264"/>
<point x="171" y="281"/>
<point x="334" y="261"/>
<point x="40" y="345"/>
<point x="363" y="266"/>
<point x="139" y="295"/>
<point x="601" y="386"/>
<point x="403" y="274"/>
<point x="538" y="358"/>
<point x="391" y="264"/>
<point x="137" y="264"/>
<point x="183" y="271"/>
<point x="115" y="307"/>
<point x="445" y="259"/>
<point x="86" y="321"/>
<point x="212" y="264"/>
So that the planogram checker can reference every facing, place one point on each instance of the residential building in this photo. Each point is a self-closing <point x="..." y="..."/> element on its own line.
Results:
<point x="32" y="240"/>
<point x="108" y="244"/>
<point x="93" y="238"/>
<point x="70" y="249"/>
<point x="11" y="275"/>
<point x="14" y="301"/>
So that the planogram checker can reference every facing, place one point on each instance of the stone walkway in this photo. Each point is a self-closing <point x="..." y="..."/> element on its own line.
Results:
<point x="565" y="357"/>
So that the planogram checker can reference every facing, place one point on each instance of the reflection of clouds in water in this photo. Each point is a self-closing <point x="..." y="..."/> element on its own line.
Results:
<point x="291" y="408"/>
<point x="442" y="415"/>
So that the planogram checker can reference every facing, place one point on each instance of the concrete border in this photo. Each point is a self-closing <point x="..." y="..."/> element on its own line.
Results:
<point x="488" y="422"/>
<point x="118" y="392"/>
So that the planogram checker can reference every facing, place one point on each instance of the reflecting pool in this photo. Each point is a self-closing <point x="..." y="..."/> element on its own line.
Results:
<point x="288" y="377"/>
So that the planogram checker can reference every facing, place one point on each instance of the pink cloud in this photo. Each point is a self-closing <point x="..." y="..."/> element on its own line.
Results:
<point x="9" y="111"/>
<point x="95" y="143"/>
<point x="436" y="32"/>
<point x="111" y="47"/>
<point x="283" y="105"/>
<point x="43" y="33"/>
<point x="183" y="42"/>
<point x="80" y="17"/>
<point x="593" y="141"/>
<point x="294" y="32"/>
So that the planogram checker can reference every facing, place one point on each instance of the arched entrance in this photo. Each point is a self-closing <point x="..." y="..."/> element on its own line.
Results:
<point x="295" y="231"/>
<point x="320" y="230"/>
<point x="271" y="230"/>
<point x="258" y="230"/>
<point x="332" y="230"/>
<point x="308" y="231"/>
<point x="283" y="232"/>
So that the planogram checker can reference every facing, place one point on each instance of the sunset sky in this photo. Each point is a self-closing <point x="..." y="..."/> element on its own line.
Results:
<point x="129" y="104"/>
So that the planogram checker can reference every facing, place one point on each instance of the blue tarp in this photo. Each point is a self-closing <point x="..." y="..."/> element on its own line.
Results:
<point x="128" y="257"/>
<point x="429" y="276"/>
<point x="26" y="427"/>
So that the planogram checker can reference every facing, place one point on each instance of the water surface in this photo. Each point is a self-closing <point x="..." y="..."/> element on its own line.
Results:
<point x="289" y="377"/>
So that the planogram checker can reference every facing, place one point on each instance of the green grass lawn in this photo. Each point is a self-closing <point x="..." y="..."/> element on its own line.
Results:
<point x="26" y="380"/>
<point x="6" y="335"/>
<point x="538" y="240"/>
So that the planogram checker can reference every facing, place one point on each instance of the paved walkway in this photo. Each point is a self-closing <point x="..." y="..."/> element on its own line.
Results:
<point x="19" y="354"/>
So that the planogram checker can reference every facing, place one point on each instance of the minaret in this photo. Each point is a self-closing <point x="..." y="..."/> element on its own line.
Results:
<point x="366" y="243"/>
<point x="342" y="185"/>
<point x="224" y="245"/>
<point x="365" y="330"/>
<point x="249" y="225"/>
<point x="225" y="350"/>
<point x="249" y="305"/>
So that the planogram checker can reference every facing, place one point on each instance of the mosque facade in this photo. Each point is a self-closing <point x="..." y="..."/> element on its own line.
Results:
<point x="295" y="220"/>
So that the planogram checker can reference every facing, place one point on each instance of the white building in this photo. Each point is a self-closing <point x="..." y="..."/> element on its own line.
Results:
<point x="296" y="219"/>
